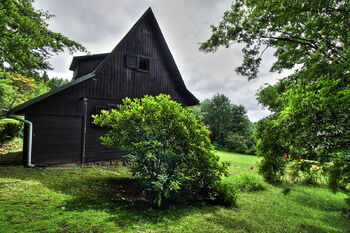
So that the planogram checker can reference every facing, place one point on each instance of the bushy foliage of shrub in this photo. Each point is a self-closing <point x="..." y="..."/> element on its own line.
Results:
<point x="168" y="147"/>
<point x="9" y="130"/>
<point x="247" y="183"/>
<point x="271" y="148"/>
<point x="307" y="171"/>
<point x="336" y="173"/>
<point x="339" y="175"/>
<point x="237" y="143"/>
<point x="224" y="193"/>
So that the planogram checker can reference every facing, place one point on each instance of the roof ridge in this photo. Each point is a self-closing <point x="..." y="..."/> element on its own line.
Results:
<point x="148" y="11"/>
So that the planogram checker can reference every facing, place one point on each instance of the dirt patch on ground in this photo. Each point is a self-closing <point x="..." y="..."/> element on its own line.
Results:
<point x="121" y="162"/>
<point x="11" y="158"/>
<point x="131" y="190"/>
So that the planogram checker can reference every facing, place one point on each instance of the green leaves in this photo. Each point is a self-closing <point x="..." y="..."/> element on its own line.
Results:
<point x="15" y="89"/>
<point x="26" y="43"/>
<point x="310" y="109"/>
<point x="339" y="175"/>
<point x="228" y="122"/>
<point x="168" y="147"/>
<point x="311" y="116"/>
<point x="299" y="32"/>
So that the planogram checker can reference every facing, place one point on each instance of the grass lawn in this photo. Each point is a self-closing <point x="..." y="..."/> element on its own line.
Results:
<point x="91" y="200"/>
<point x="8" y="120"/>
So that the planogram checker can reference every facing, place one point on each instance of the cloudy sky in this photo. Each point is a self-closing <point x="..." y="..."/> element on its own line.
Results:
<point x="100" y="24"/>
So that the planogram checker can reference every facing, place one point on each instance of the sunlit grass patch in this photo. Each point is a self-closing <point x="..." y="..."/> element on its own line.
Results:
<point x="247" y="183"/>
<point x="91" y="200"/>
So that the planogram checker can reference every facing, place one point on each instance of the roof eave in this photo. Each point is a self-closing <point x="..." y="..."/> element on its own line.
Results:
<point x="84" y="57"/>
<point x="50" y="93"/>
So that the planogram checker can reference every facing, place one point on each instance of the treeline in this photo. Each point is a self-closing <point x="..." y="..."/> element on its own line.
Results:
<point x="16" y="89"/>
<point x="229" y="124"/>
<point x="310" y="115"/>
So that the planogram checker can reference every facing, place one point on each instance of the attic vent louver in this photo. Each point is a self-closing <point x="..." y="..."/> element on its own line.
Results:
<point x="131" y="62"/>
<point x="139" y="63"/>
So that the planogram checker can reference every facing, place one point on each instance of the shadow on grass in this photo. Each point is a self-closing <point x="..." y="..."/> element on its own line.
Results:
<point x="129" y="201"/>
<point x="231" y="223"/>
<point x="316" y="202"/>
<point x="125" y="199"/>
<point x="115" y="194"/>
<point x="72" y="182"/>
<point x="311" y="228"/>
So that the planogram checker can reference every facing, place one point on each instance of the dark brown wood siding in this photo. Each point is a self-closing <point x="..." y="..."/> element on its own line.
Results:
<point x="56" y="139"/>
<point x="65" y="103"/>
<point x="85" y="67"/>
<point x="118" y="82"/>
<point x="94" y="149"/>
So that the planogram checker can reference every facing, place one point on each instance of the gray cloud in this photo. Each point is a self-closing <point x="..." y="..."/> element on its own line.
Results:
<point x="100" y="24"/>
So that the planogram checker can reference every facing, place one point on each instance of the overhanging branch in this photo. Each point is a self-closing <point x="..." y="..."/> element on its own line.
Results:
<point x="290" y="40"/>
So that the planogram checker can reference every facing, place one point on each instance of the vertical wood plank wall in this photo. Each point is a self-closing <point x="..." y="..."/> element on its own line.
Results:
<point x="112" y="82"/>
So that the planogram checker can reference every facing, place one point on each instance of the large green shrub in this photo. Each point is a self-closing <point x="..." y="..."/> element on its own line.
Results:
<point x="339" y="175"/>
<point x="168" y="147"/>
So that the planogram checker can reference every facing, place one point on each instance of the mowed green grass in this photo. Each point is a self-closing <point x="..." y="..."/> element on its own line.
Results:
<point x="240" y="163"/>
<point x="8" y="120"/>
<point x="84" y="200"/>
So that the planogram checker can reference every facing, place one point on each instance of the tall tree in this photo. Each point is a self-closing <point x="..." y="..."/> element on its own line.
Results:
<point x="301" y="32"/>
<point x="53" y="83"/>
<point x="310" y="109"/>
<point x="26" y="43"/>
<point x="45" y="77"/>
<point x="15" y="89"/>
<point x="229" y="123"/>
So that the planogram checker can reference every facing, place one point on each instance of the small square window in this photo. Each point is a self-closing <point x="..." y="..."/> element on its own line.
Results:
<point x="143" y="63"/>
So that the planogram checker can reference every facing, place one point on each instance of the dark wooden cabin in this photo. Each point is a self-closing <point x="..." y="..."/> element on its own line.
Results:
<point x="140" y="64"/>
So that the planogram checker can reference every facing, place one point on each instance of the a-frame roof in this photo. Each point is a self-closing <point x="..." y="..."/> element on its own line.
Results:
<point x="165" y="49"/>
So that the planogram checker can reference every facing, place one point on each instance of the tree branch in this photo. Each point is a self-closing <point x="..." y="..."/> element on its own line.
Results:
<point x="290" y="40"/>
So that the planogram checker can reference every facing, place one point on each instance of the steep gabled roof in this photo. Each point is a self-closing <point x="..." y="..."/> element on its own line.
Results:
<point x="170" y="59"/>
<point x="106" y="56"/>
<point x="166" y="51"/>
